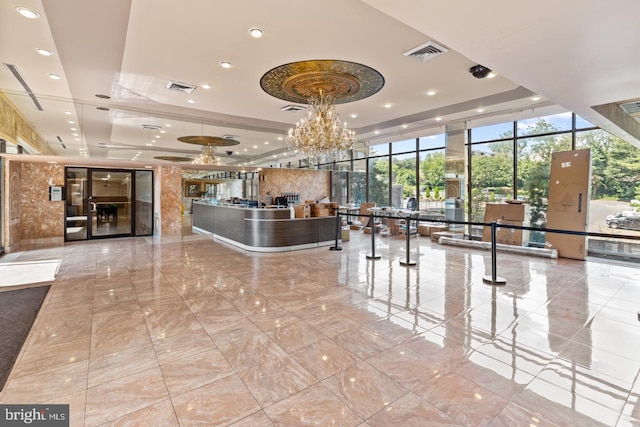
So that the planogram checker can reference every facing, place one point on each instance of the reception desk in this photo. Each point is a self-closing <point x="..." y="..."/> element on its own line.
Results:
<point x="262" y="230"/>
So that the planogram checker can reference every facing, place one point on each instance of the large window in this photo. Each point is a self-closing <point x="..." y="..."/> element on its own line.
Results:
<point x="534" y="169"/>
<point x="507" y="160"/>
<point x="379" y="181"/>
<point x="491" y="176"/>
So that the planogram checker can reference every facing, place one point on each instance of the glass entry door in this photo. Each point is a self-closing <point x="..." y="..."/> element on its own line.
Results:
<point x="110" y="202"/>
<point x="103" y="203"/>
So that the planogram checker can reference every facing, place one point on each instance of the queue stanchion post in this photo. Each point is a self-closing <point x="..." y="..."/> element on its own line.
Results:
<point x="408" y="261"/>
<point x="372" y="226"/>
<point x="494" y="279"/>
<point x="336" y="247"/>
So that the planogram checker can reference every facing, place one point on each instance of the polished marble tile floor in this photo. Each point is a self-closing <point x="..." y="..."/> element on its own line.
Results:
<point x="188" y="331"/>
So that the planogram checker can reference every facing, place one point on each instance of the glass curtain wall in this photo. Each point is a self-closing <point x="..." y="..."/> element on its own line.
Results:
<point x="404" y="181"/>
<point x="431" y="172"/>
<point x="506" y="160"/>
<point x="378" y="169"/>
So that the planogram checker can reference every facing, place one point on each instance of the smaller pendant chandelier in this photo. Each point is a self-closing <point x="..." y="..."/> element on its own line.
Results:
<point x="208" y="156"/>
<point x="321" y="133"/>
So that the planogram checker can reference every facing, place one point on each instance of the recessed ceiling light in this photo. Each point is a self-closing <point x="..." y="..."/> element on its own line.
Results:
<point x="535" y="98"/>
<point x="280" y="138"/>
<point x="256" y="33"/>
<point x="55" y="76"/>
<point x="376" y="132"/>
<point x="431" y="92"/>
<point x="245" y="150"/>
<point x="266" y="142"/>
<point x="149" y="145"/>
<point x="68" y="113"/>
<point x="438" y="119"/>
<point x="353" y="116"/>
<point x="491" y="75"/>
<point x="404" y="126"/>
<point x="71" y="122"/>
<point x="225" y="64"/>
<point x="74" y="134"/>
<point x="205" y="86"/>
<point x="163" y="131"/>
<point x="480" y="110"/>
<point x="74" y="129"/>
<point x="27" y="13"/>
<point x="191" y="101"/>
<point x="255" y="146"/>
<point x="168" y="125"/>
<point x="387" y="105"/>
<point x="44" y="52"/>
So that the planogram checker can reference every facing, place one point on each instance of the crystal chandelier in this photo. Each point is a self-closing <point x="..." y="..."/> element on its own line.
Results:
<point x="321" y="133"/>
<point x="208" y="156"/>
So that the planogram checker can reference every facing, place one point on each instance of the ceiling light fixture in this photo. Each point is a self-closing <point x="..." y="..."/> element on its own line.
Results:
<point x="205" y="86"/>
<point x="480" y="110"/>
<point x="191" y="101"/>
<point x="27" y="13"/>
<point x="481" y="72"/>
<point x="431" y="92"/>
<point x="535" y="98"/>
<point x="44" y="52"/>
<point x="322" y="84"/>
<point x="256" y="33"/>
<point x="55" y="76"/>
<point x="225" y="64"/>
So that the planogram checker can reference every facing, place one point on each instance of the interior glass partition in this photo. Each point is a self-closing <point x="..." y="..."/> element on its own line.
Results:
<point x="143" y="212"/>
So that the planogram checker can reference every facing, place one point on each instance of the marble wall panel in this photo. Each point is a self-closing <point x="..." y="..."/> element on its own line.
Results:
<point x="310" y="184"/>
<point x="39" y="217"/>
<point x="170" y="200"/>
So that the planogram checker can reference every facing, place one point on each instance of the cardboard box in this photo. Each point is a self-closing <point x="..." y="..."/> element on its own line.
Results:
<point x="320" y="212"/>
<point x="302" y="211"/>
<point x="508" y="236"/>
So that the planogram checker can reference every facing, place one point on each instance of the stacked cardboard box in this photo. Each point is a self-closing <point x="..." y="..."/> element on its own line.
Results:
<point x="320" y="209"/>
<point x="302" y="211"/>
<point x="507" y="214"/>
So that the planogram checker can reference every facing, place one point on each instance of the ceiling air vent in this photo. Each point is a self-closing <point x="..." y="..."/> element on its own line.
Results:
<point x="229" y="136"/>
<point x="151" y="127"/>
<point x="293" y="108"/>
<point x="14" y="70"/>
<point x="180" y="87"/>
<point x="631" y="107"/>
<point x="426" y="51"/>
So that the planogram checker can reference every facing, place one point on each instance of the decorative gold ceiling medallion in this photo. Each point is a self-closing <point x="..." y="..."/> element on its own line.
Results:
<point x="174" y="158"/>
<point x="208" y="141"/>
<point x="344" y="81"/>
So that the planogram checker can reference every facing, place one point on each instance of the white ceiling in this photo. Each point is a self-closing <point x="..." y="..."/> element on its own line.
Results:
<point x="575" y="54"/>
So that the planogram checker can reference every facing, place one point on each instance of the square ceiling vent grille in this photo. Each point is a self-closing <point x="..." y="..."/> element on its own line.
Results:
<point x="180" y="87"/>
<point x="426" y="51"/>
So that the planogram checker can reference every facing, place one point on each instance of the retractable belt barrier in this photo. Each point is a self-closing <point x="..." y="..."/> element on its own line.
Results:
<point x="492" y="278"/>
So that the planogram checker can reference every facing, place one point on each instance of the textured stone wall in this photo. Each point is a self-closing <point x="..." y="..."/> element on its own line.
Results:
<point x="39" y="217"/>
<point x="170" y="200"/>
<point x="13" y="125"/>
<point x="311" y="184"/>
